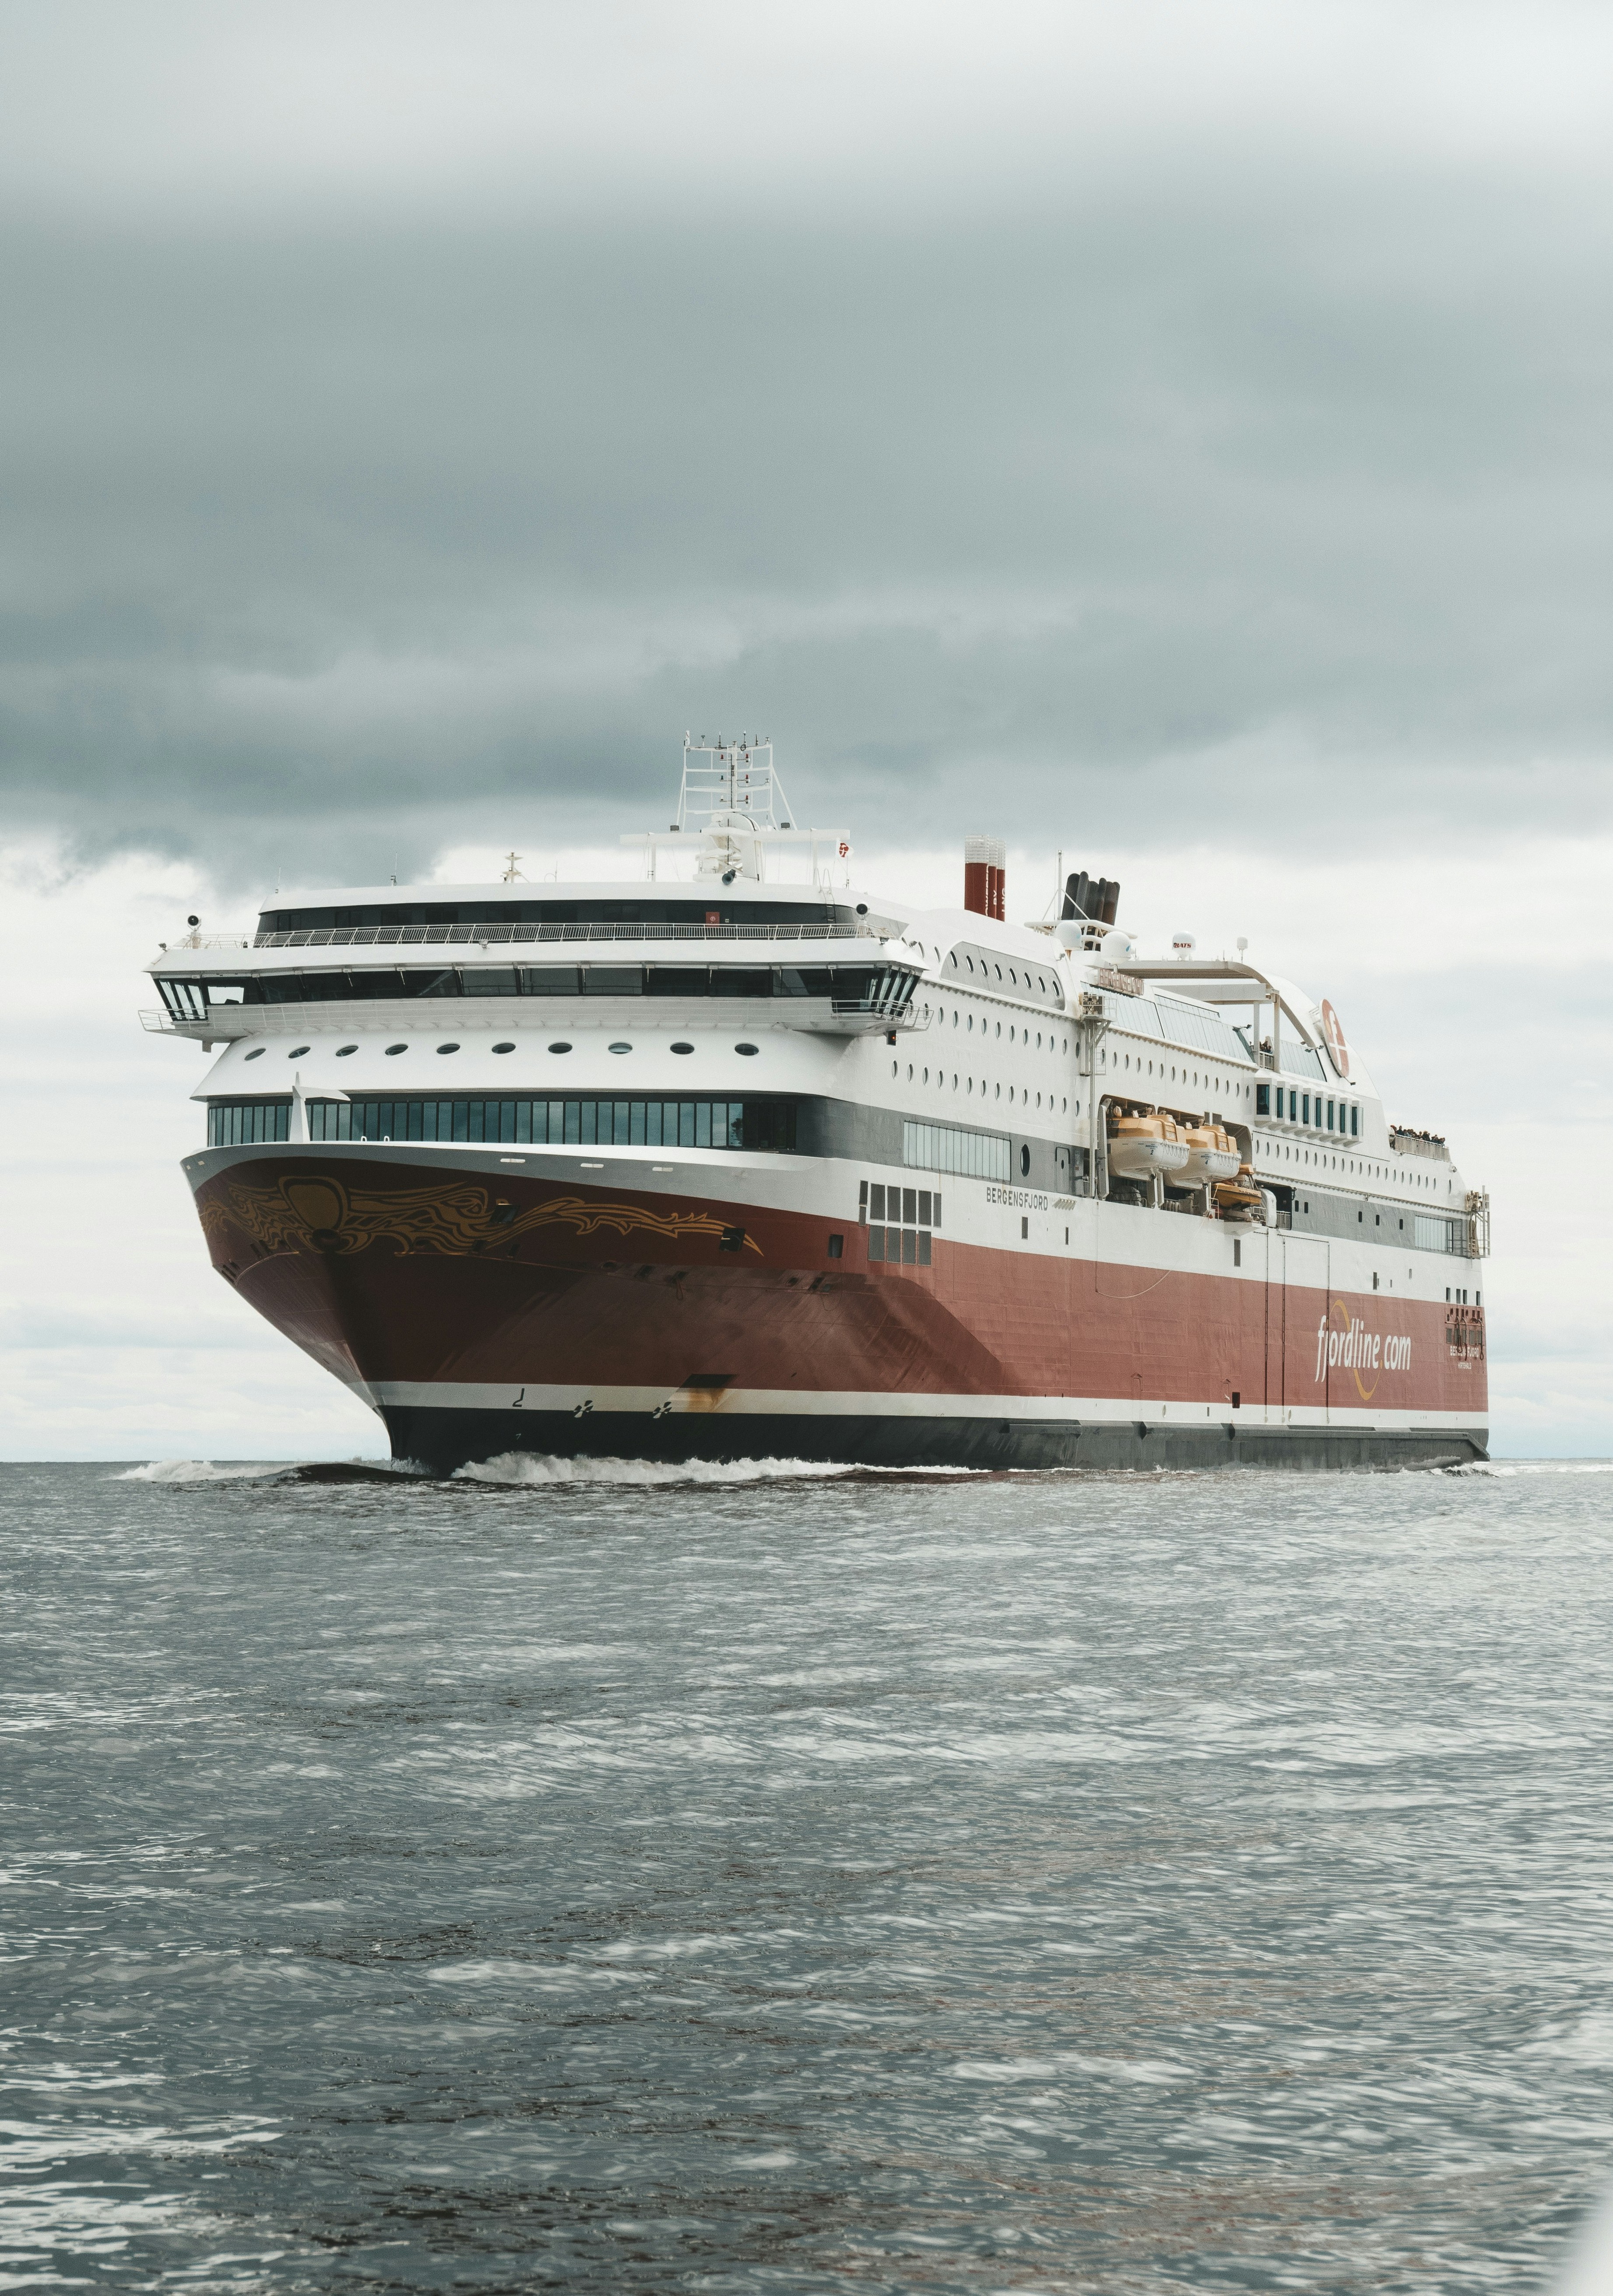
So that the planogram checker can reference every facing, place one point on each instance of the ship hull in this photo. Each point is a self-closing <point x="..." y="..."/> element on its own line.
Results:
<point x="445" y="1439"/>
<point x="484" y="1304"/>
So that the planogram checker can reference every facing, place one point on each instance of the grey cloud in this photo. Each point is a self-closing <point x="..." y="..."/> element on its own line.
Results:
<point x="1257" y="498"/>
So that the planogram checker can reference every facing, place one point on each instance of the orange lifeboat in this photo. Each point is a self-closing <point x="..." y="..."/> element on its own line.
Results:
<point x="1146" y="1147"/>
<point x="1212" y="1155"/>
<point x="1241" y="1199"/>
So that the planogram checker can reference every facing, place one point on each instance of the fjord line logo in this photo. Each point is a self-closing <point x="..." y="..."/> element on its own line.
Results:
<point x="1353" y="1348"/>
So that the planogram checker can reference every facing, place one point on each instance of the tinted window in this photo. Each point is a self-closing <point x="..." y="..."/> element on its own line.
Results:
<point x="371" y="915"/>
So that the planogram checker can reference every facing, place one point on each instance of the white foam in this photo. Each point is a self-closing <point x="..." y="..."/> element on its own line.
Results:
<point x="529" y="1470"/>
<point x="199" y="1470"/>
<point x="290" y="1470"/>
<point x="1507" y="1467"/>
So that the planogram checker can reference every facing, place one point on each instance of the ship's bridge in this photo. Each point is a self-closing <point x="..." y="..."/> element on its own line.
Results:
<point x="822" y="965"/>
<point x="714" y="919"/>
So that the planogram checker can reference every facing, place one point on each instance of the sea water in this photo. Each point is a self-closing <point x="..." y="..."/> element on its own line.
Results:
<point x="600" y="1878"/>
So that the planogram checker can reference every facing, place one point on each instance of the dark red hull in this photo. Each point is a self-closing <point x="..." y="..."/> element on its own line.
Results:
<point x="483" y="1312"/>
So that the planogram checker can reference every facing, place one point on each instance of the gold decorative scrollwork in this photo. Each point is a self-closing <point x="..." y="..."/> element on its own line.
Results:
<point x="320" y="1212"/>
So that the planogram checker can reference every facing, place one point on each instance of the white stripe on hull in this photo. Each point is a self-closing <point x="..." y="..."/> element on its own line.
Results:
<point x="454" y="1395"/>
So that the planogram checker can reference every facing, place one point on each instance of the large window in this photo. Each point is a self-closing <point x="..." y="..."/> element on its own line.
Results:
<point x="244" y="1123"/>
<point x="392" y="919"/>
<point x="855" y="987"/>
<point x="753" y="1125"/>
<point x="943" y="1148"/>
<point x="1437" y="1234"/>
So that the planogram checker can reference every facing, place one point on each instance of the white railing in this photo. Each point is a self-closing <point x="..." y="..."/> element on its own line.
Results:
<point x="208" y="940"/>
<point x="1419" y="1143"/>
<point x="544" y="936"/>
<point x="1118" y="983"/>
<point x="811" y="1015"/>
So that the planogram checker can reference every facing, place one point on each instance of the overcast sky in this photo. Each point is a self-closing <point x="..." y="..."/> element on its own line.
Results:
<point x="1177" y="435"/>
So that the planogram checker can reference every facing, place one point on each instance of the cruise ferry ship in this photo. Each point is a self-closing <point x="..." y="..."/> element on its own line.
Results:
<point x="743" y="1159"/>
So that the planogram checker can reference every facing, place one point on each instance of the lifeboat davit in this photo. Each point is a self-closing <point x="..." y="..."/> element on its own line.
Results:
<point x="1241" y="1199"/>
<point x="1146" y="1148"/>
<point x="1212" y="1155"/>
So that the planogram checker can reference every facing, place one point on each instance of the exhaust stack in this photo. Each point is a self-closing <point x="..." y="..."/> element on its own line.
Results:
<point x="986" y="876"/>
<point x="1091" y="900"/>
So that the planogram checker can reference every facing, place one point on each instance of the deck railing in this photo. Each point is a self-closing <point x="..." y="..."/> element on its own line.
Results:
<point x="531" y="936"/>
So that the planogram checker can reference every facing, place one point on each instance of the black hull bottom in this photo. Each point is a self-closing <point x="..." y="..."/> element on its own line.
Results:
<point x="443" y="1441"/>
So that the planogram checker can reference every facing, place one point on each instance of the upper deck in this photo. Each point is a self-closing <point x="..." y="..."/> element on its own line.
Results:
<point x="716" y="942"/>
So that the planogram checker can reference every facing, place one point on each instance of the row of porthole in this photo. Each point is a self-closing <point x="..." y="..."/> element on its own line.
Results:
<point x="1280" y="1152"/>
<point x="968" y="1085"/>
<point x="1215" y="1084"/>
<point x="970" y="1021"/>
<point x="297" y="1052"/>
<point x="1013" y="976"/>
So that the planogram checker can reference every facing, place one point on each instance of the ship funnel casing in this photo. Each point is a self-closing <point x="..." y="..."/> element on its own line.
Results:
<point x="1095" y="899"/>
<point x="986" y="876"/>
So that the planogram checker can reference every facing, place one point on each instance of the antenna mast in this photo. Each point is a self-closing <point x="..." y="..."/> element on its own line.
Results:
<point x="733" y="782"/>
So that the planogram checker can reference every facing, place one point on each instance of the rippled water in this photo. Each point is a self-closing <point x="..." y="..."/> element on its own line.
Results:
<point x="613" y="1881"/>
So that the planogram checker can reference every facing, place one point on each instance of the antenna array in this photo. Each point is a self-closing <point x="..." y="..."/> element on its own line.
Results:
<point x="736" y="778"/>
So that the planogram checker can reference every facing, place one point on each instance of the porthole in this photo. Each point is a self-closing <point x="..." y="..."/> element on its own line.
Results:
<point x="343" y="1050"/>
<point x="503" y="1048"/>
<point x="448" y="1048"/>
<point x="620" y="1048"/>
<point x="393" y="1049"/>
<point x="998" y="971"/>
<point x="683" y="1048"/>
<point x="969" y="962"/>
<point x="862" y="911"/>
<point x="1025" y="1163"/>
<point x="560" y="1048"/>
<point x="749" y="1050"/>
<point x="1013" y="976"/>
<point x="297" y="1052"/>
<point x="257" y="1054"/>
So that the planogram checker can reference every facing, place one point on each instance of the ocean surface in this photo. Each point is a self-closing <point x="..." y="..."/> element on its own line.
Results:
<point x="774" y="1880"/>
